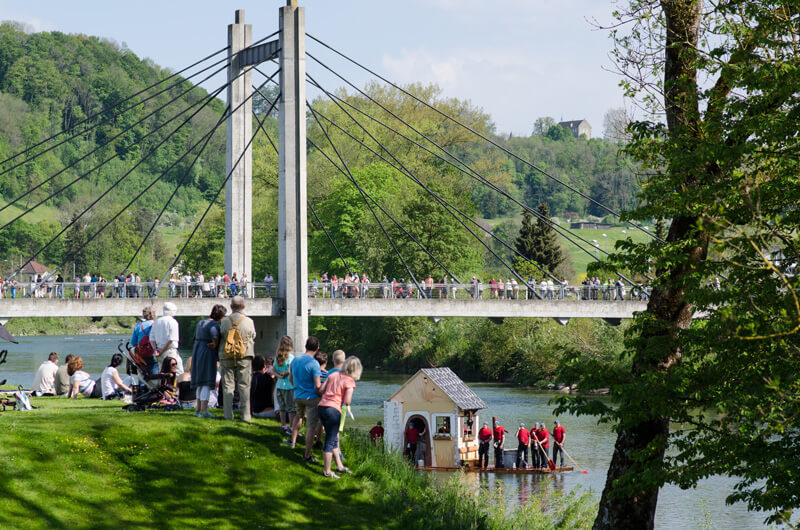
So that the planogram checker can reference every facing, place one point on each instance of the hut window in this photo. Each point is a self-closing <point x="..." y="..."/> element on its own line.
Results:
<point x="443" y="425"/>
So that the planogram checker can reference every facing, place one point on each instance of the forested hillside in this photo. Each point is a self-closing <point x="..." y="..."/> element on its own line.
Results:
<point x="52" y="81"/>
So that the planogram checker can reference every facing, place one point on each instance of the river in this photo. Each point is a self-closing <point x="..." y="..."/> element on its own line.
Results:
<point x="589" y="444"/>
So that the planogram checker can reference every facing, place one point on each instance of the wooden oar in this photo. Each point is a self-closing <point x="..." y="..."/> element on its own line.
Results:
<point x="550" y="463"/>
<point x="572" y="460"/>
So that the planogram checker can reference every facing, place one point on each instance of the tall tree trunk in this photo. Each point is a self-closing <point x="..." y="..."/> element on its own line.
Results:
<point x="636" y="509"/>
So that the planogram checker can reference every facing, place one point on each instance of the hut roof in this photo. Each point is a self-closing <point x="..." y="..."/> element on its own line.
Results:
<point x="34" y="267"/>
<point x="455" y="388"/>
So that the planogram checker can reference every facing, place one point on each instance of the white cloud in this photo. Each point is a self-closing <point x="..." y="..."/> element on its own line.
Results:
<point x="515" y="85"/>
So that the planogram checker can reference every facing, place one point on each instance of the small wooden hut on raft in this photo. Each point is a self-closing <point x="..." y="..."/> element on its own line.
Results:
<point x="445" y="411"/>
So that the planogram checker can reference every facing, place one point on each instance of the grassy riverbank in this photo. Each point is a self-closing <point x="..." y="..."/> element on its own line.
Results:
<point x="88" y="464"/>
<point x="26" y="327"/>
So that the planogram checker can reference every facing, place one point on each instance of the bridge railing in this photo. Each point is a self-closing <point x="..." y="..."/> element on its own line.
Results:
<point x="152" y="289"/>
<point x="339" y="290"/>
<point x="463" y="291"/>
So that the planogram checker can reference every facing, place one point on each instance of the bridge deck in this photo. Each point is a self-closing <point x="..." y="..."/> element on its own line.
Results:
<point x="366" y="307"/>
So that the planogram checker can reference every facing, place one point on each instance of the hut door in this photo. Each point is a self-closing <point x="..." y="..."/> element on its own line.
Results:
<point x="424" y="442"/>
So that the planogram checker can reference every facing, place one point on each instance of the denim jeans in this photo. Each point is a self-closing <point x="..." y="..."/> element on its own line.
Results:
<point x="330" y="418"/>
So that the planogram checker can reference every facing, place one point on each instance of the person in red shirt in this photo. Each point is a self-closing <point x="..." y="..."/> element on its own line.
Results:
<point x="543" y="435"/>
<point x="559" y="437"/>
<point x="524" y="439"/>
<point x="484" y="439"/>
<point x="499" y="443"/>
<point x="536" y="452"/>
<point x="376" y="433"/>
<point x="412" y="435"/>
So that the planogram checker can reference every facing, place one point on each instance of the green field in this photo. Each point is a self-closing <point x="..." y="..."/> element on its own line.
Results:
<point x="581" y="259"/>
<point x="42" y="213"/>
<point x="89" y="464"/>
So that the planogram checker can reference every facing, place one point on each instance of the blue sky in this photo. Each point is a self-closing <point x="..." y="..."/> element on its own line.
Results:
<point x="518" y="59"/>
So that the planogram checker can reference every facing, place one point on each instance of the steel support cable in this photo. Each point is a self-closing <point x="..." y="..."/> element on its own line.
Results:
<point x="376" y="203"/>
<point x="103" y="111"/>
<point x="115" y="155"/>
<point x="112" y="107"/>
<point x="371" y="209"/>
<point x="175" y="191"/>
<point x="404" y="169"/>
<point x="473" y="131"/>
<point x="84" y="131"/>
<point x="472" y="173"/>
<point x="310" y="206"/>
<point x="336" y="248"/>
<point x="400" y="226"/>
<point x="178" y="186"/>
<point x="118" y="181"/>
<point x="447" y="204"/>
<point x="208" y="209"/>
<point x="204" y="139"/>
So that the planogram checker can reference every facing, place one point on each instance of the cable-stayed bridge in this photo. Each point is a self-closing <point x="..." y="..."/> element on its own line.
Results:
<point x="288" y="311"/>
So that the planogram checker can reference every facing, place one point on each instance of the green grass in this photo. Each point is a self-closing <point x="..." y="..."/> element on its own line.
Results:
<point x="89" y="464"/>
<point x="581" y="259"/>
<point x="42" y="213"/>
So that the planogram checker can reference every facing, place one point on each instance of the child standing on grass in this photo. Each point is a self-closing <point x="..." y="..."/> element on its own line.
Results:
<point x="281" y="364"/>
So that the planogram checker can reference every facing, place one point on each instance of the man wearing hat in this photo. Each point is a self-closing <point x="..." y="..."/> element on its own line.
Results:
<point x="536" y="453"/>
<point x="164" y="335"/>
<point x="559" y="437"/>
<point x="376" y="433"/>
<point x="499" y="444"/>
<point x="524" y="439"/>
<point x="484" y="439"/>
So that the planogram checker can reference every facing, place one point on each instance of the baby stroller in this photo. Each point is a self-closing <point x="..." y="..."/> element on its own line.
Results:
<point x="153" y="391"/>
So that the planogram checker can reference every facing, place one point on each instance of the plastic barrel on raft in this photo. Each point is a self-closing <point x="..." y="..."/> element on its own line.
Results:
<point x="509" y="458"/>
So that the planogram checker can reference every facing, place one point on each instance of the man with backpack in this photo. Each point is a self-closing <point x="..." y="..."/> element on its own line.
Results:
<point x="237" y="335"/>
<point x="140" y="340"/>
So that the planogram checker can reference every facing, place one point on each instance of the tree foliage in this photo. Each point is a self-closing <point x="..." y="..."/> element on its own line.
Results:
<point x="723" y="169"/>
<point x="538" y="241"/>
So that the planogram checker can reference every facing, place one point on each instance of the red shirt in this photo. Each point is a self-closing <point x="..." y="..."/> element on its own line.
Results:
<point x="499" y="431"/>
<point x="412" y="434"/>
<point x="543" y="435"/>
<point x="524" y="436"/>
<point x="485" y="434"/>
<point x="558" y="434"/>
<point x="376" y="432"/>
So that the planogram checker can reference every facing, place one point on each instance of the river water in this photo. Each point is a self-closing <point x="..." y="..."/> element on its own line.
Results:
<point x="590" y="444"/>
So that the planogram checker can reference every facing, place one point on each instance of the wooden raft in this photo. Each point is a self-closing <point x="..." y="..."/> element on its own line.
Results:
<point x="525" y="471"/>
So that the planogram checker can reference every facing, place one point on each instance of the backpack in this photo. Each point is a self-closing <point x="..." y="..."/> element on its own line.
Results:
<point x="23" y="403"/>
<point x="145" y="348"/>
<point x="235" y="345"/>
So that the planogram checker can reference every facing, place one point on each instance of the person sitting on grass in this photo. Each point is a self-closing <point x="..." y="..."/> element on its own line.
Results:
<point x="169" y="373"/>
<point x="62" y="381"/>
<point x="262" y="386"/>
<point x="44" y="380"/>
<point x="337" y="391"/>
<point x="110" y="382"/>
<point x="80" y="381"/>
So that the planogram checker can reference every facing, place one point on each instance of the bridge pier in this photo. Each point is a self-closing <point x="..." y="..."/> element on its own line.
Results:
<point x="239" y="154"/>
<point x="292" y="246"/>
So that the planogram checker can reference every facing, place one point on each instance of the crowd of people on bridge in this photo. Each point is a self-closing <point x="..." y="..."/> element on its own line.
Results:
<point x="350" y="285"/>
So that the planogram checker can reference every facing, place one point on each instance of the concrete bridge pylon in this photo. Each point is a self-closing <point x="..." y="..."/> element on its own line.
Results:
<point x="292" y="273"/>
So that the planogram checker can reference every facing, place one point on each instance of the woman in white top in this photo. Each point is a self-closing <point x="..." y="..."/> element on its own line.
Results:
<point x="110" y="382"/>
<point x="80" y="381"/>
